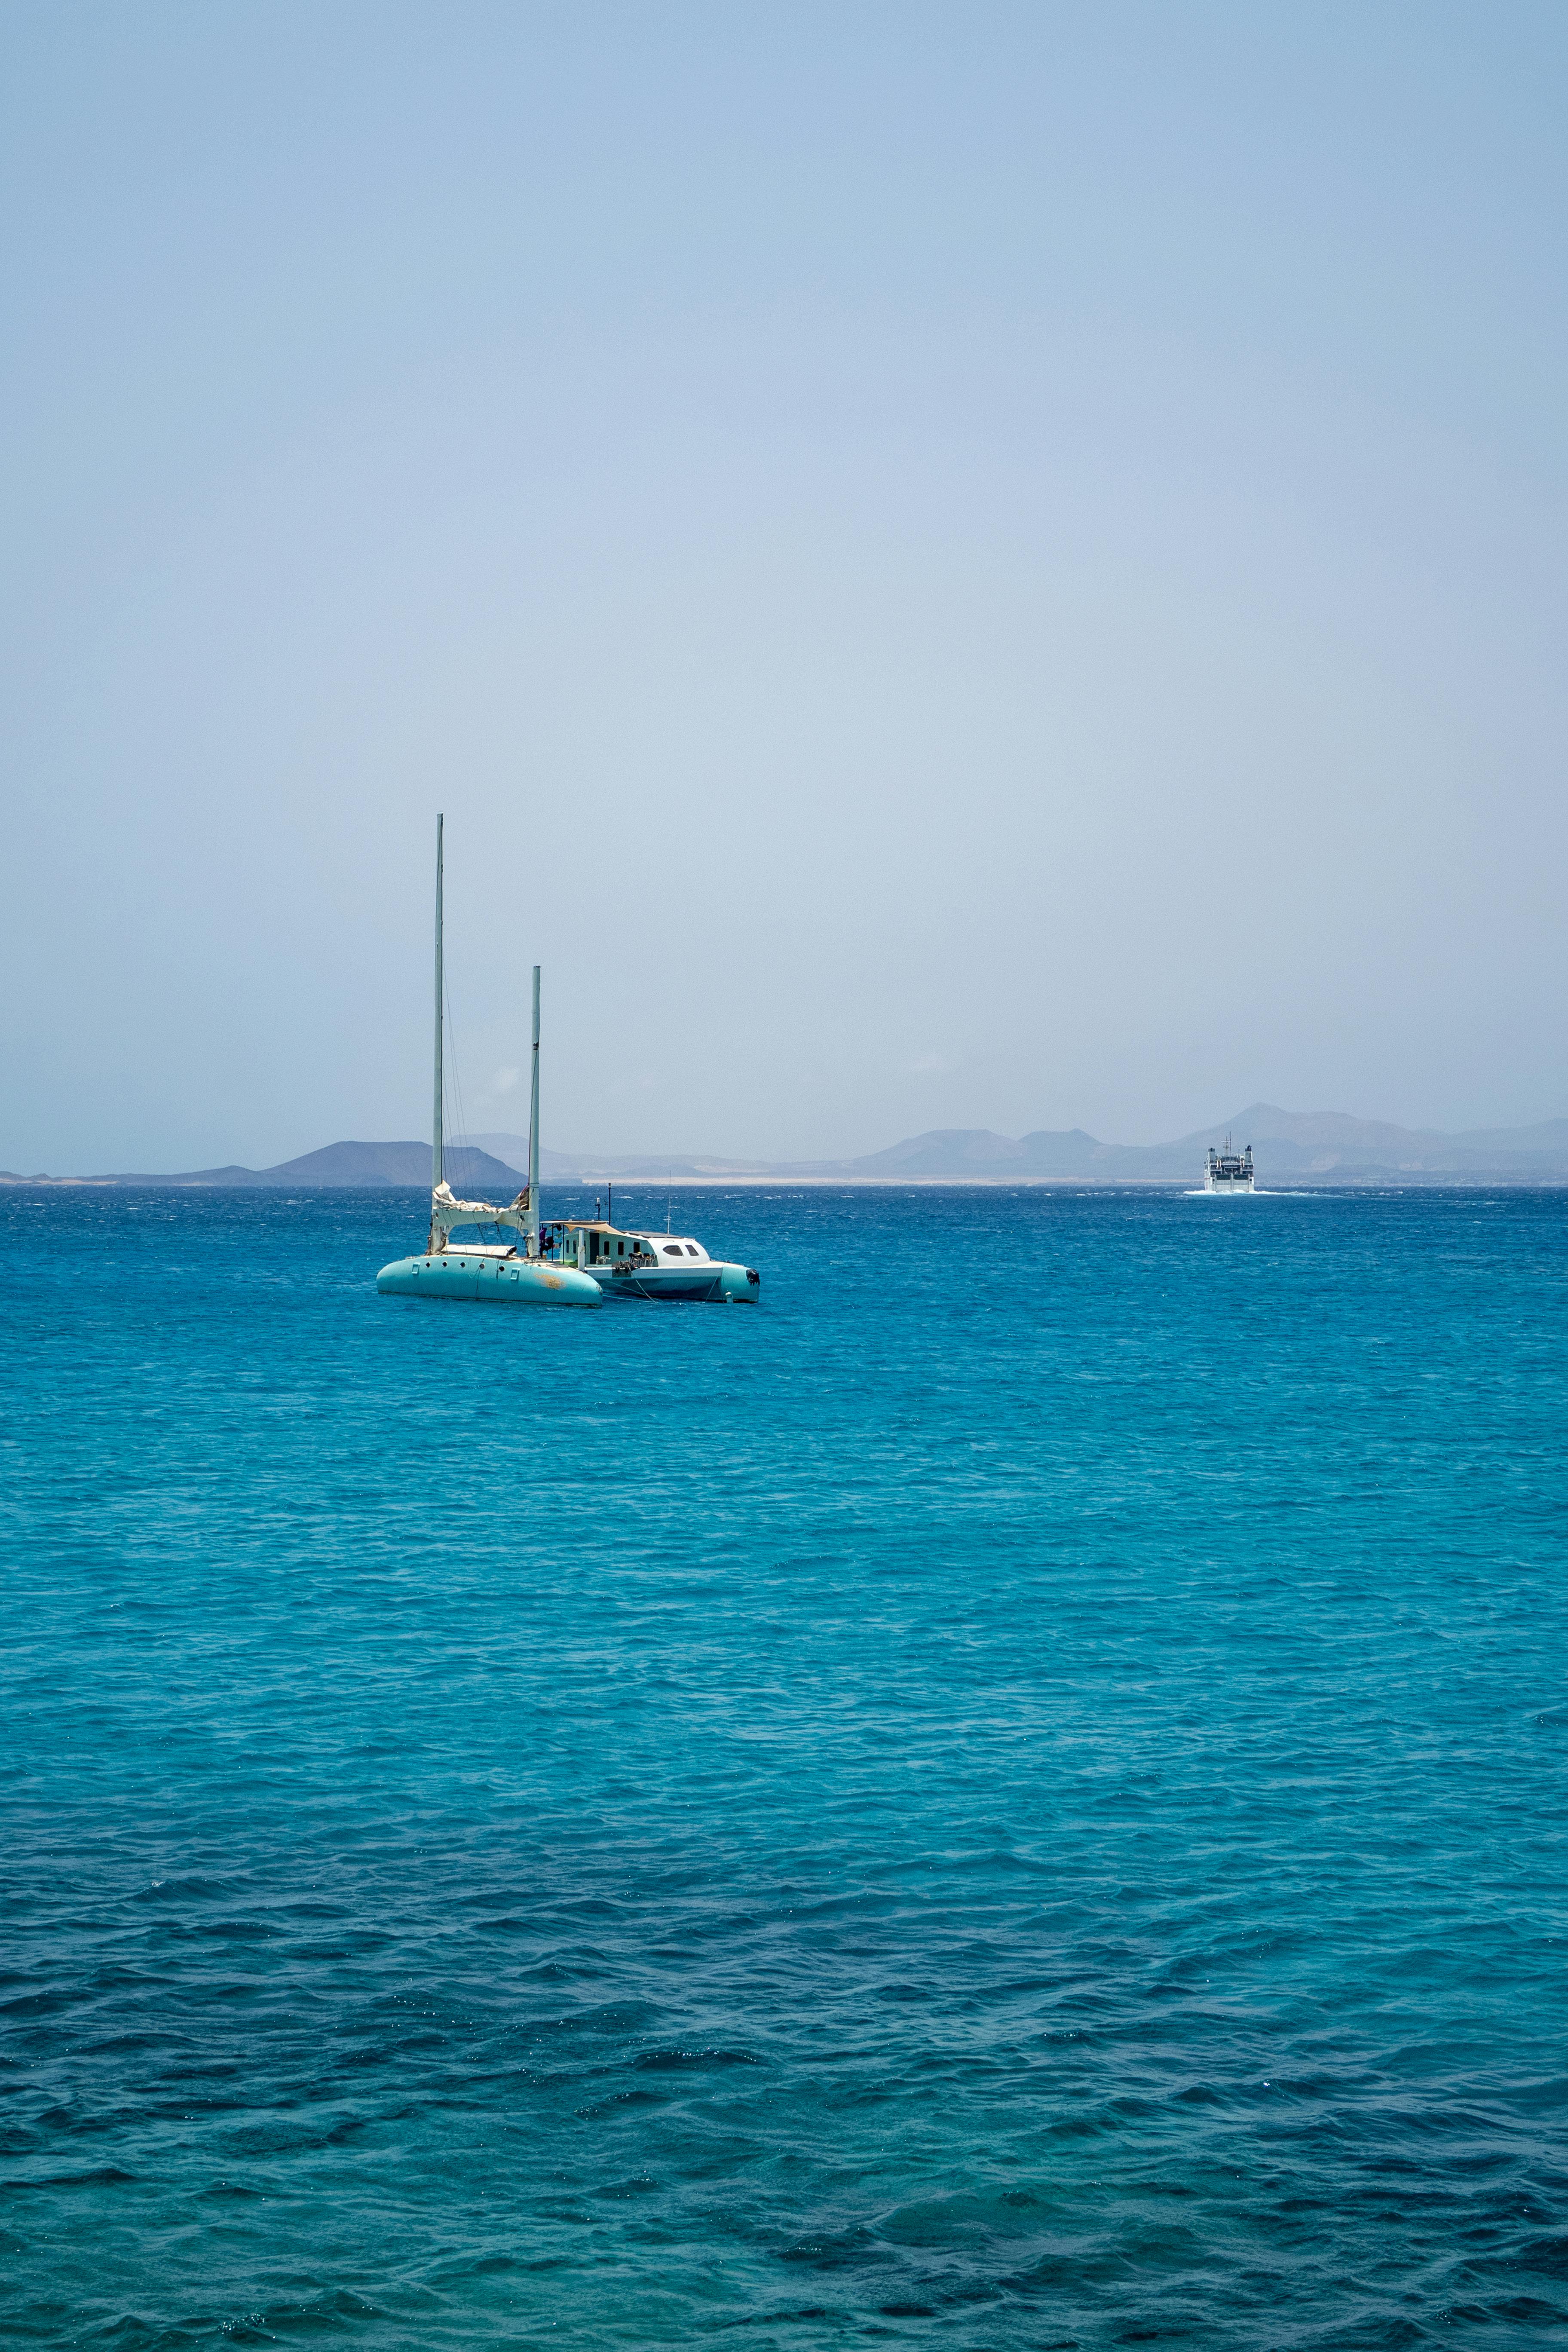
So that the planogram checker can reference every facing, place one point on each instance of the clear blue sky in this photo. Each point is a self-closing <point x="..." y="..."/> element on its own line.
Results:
<point x="984" y="565"/>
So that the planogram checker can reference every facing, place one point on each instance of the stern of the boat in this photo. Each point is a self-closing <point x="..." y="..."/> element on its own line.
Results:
<point x="489" y="1282"/>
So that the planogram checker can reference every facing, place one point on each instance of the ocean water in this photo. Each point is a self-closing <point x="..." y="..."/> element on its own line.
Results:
<point x="1013" y="1797"/>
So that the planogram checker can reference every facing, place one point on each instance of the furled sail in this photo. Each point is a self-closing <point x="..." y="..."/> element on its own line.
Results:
<point x="447" y="1210"/>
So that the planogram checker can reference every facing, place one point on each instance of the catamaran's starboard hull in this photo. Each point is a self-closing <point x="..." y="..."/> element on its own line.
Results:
<point x="487" y="1282"/>
<point x="708" y="1284"/>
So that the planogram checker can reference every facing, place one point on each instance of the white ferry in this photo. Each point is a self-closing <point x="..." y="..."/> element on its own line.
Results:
<point x="1229" y="1171"/>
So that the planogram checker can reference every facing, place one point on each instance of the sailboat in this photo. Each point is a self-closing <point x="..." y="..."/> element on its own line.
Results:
<point x="493" y="1273"/>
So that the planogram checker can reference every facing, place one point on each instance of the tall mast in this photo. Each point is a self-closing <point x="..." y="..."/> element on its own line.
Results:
<point x="534" y="1133"/>
<point x="435" y="1167"/>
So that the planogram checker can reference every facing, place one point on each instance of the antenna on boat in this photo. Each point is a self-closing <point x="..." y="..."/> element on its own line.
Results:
<point x="534" y="1133"/>
<point x="436" y="1167"/>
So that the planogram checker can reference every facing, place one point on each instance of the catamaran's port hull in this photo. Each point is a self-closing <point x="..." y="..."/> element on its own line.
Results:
<point x="487" y="1282"/>
<point x="709" y="1284"/>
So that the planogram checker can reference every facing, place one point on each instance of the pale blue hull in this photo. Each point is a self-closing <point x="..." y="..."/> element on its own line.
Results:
<point x="487" y="1281"/>
<point x="734" y="1285"/>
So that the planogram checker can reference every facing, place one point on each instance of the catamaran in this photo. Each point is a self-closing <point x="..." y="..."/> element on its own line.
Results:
<point x="499" y="1273"/>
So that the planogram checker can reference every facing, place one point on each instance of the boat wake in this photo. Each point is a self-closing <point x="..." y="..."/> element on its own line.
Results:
<point x="1248" y="1193"/>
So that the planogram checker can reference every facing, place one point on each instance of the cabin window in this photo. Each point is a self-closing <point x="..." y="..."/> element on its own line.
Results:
<point x="692" y="1249"/>
<point x="672" y="1249"/>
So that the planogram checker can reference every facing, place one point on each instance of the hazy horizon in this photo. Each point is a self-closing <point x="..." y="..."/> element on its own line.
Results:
<point x="511" y="1147"/>
<point x="991" y="569"/>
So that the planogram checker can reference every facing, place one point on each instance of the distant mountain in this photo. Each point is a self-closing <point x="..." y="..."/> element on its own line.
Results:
<point x="362" y="1166"/>
<point x="1288" y="1146"/>
<point x="977" y="1152"/>
<point x="568" y="1167"/>
<point x="1320" y="1142"/>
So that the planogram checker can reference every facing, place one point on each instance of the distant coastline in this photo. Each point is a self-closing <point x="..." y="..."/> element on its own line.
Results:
<point x="1318" y="1149"/>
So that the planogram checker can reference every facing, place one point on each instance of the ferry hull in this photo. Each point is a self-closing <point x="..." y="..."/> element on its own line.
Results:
<point x="487" y="1282"/>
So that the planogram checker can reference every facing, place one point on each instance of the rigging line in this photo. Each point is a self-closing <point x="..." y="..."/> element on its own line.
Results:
<point x="460" y="1119"/>
<point x="461" y="1101"/>
<point x="460" y="1123"/>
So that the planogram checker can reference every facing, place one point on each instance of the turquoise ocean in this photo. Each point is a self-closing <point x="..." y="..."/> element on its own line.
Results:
<point x="1012" y="1797"/>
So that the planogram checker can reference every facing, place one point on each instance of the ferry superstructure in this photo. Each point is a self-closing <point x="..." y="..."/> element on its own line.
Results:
<point x="1229" y="1171"/>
